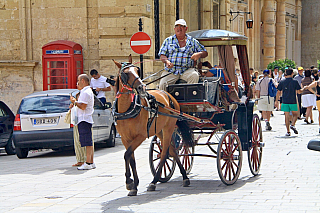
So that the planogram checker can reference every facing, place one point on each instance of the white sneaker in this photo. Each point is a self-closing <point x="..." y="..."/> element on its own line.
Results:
<point x="85" y="166"/>
<point x="93" y="166"/>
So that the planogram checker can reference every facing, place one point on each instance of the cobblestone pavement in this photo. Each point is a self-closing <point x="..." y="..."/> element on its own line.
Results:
<point x="288" y="180"/>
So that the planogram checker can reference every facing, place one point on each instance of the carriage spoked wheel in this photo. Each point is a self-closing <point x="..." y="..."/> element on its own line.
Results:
<point x="184" y="151"/>
<point x="229" y="157"/>
<point x="154" y="161"/>
<point x="255" y="152"/>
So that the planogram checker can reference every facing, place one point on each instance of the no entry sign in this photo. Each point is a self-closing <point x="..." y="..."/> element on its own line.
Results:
<point x="140" y="42"/>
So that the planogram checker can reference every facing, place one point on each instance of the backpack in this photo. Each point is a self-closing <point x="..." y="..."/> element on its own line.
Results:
<point x="272" y="89"/>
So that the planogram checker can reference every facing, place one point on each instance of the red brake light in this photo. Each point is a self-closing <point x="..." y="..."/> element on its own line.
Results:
<point x="71" y="125"/>
<point x="17" y="123"/>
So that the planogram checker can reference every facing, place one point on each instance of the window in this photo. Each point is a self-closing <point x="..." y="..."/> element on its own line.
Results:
<point x="3" y="113"/>
<point x="97" y="104"/>
<point x="57" y="72"/>
<point x="45" y="104"/>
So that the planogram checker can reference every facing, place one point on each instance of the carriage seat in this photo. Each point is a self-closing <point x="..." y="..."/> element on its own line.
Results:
<point x="203" y="96"/>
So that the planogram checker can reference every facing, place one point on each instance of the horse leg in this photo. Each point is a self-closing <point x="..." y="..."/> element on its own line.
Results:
<point x="127" y="157"/>
<point x="130" y="160"/>
<point x="164" y="156"/>
<point x="186" y="181"/>
<point x="134" y="187"/>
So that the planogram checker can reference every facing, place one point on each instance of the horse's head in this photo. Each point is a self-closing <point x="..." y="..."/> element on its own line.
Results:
<point x="128" y="77"/>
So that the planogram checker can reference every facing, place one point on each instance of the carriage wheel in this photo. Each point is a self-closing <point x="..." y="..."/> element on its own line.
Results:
<point x="154" y="161"/>
<point x="229" y="157"/>
<point x="255" y="152"/>
<point x="184" y="151"/>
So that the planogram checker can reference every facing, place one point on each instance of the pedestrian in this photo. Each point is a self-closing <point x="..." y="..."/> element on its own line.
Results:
<point x="275" y="73"/>
<point x="289" y="87"/>
<point x="317" y="85"/>
<point x="178" y="53"/>
<point x="299" y="77"/>
<point x="99" y="85"/>
<point x="265" y="102"/>
<point x="315" y="74"/>
<point x="308" y="97"/>
<point x="80" y="151"/>
<point x="85" y="105"/>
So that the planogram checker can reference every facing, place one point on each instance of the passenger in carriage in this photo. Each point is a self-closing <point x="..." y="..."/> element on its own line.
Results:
<point x="214" y="72"/>
<point x="178" y="53"/>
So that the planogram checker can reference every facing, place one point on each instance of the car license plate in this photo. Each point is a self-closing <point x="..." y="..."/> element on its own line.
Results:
<point x="40" y="121"/>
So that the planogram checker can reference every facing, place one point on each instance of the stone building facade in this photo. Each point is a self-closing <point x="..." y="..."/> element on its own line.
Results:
<point x="104" y="27"/>
<point x="310" y="34"/>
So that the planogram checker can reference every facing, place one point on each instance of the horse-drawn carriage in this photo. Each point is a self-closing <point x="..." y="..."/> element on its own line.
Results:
<point x="240" y="127"/>
<point x="181" y="115"/>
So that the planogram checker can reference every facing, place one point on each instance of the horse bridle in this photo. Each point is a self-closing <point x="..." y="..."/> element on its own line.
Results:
<point x="124" y="76"/>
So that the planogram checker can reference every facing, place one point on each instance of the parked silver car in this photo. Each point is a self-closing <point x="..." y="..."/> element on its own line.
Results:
<point x="39" y="123"/>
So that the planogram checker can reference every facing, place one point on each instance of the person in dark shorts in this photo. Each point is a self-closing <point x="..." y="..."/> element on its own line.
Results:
<point x="289" y="87"/>
<point x="84" y="113"/>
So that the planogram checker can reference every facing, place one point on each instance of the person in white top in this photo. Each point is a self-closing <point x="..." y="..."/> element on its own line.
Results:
<point x="84" y="113"/>
<point x="265" y="102"/>
<point x="99" y="85"/>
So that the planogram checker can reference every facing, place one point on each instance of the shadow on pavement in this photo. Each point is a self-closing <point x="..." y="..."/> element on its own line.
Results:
<point x="173" y="189"/>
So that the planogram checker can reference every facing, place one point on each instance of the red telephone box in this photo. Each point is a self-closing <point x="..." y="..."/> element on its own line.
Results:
<point x="62" y="62"/>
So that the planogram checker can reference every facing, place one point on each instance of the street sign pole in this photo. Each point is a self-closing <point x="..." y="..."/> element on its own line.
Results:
<point x="141" y="56"/>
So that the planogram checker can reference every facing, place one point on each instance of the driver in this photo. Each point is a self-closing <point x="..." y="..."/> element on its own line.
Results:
<point x="178" y="53"/>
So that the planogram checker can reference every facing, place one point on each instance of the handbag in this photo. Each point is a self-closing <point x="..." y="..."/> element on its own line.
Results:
<point x="74" y="116"/>
<point x="67" y="119"/>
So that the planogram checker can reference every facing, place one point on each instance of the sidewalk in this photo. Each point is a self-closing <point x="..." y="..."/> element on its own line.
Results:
<point x="288" y="180"/>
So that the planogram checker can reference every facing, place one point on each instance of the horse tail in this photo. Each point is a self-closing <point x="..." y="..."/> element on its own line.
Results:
<point x="186" y="133"/>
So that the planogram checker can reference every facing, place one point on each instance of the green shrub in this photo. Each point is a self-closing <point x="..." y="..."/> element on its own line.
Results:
<point x="282" y="64"/>
<point x="318" y="61"/>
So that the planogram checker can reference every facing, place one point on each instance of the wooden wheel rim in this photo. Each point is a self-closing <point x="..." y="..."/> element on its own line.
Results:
<point x="229" y="158"/>
<point x="255" y="152"/>
<point x="154" y="161"/>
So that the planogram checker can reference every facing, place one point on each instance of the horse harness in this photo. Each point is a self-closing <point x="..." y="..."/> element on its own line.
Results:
<point x="152" y="108"/>
<point x="136" y="106"/>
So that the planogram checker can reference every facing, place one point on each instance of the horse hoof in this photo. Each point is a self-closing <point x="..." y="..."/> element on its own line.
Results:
<point x="151" y="187"/>
<point x="129" y="186"/>
<point x="186" y="182"/>
<point x="133" y="192"/>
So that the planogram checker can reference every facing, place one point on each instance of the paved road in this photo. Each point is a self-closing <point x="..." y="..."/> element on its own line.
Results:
<point x="46" y="182"/>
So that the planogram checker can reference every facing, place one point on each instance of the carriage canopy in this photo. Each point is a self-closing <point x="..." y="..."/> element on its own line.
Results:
<point x="224" y="40"/>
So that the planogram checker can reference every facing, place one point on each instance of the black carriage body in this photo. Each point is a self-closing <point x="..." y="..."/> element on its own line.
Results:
<point x="195" y="94"/>
<point x="244" y="117"/>
<point x="192" y="99"/>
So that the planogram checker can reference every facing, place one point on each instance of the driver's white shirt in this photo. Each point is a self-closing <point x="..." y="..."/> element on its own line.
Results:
<point x="86" y="97"/>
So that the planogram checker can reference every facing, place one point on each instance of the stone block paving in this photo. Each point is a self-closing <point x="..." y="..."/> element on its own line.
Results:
<point x="288" y="180"/>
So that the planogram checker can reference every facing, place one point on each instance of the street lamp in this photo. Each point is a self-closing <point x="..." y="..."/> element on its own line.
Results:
<point x="249" y="22"/>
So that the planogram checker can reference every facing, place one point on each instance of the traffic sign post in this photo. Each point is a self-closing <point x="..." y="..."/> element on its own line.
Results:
<point x="140" y="43"/>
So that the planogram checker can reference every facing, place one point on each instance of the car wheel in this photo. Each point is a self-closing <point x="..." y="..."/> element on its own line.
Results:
<point x="22" y="152"/>
<point x="10" y="148"/>
<point x="111" y="142"/>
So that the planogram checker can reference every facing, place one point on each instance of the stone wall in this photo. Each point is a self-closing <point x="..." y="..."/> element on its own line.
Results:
<point x="16" y="81"/>
<point x="310" y="33"/>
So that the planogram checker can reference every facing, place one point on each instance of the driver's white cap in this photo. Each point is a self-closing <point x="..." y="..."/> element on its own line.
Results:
<point x="181" y="22"/>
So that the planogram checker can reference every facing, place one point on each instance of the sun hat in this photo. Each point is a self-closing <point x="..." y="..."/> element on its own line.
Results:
<point x="300" y="68"/>
<point x="181" y="22"/>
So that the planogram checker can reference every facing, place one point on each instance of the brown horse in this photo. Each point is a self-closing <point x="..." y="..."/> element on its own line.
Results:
<point x="133" y="131"/>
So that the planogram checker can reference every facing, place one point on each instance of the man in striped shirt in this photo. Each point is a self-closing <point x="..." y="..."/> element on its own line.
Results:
<point x="178" y="53"/>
